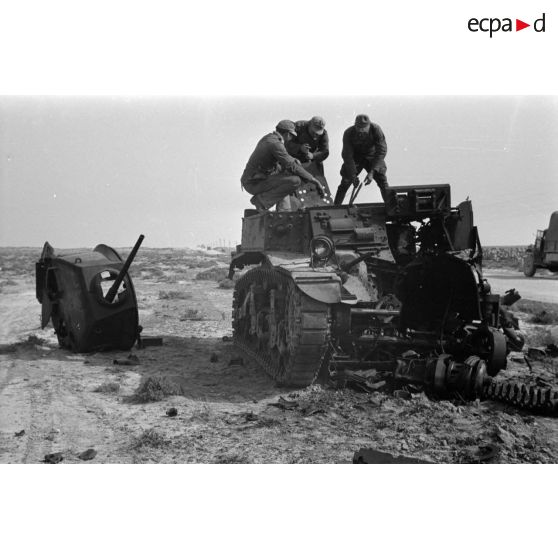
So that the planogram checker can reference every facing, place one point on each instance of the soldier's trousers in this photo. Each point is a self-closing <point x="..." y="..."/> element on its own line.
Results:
<point x="379" y="176"/>
<point x="272" y="189"/>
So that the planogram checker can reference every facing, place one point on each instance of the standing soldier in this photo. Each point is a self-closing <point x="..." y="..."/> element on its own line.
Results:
<point x="271" y="174"/>
<point x="364" y="147"/>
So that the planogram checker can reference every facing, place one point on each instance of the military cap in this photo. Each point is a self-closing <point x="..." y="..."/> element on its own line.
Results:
<point x="286" y="126"/>
<point x="362" y="121"/>
<point x="318" y="124"/>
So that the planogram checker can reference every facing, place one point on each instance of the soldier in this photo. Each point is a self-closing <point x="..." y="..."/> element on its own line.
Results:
<point x="311" y="143"/>
<point x="271" y="174"/>
<point x="364" y="147"/>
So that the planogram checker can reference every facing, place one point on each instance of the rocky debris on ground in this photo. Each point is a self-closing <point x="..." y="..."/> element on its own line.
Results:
<point x="172" y="412"/>
<point x="88" y="454"/>
<point x="372" y="456"/>
<point x="131" y="360"/>
<point x="53" y="457"/>
<point x="19" y="434"/>
<point x="550" y="350"/>
<point x="361" y="380"/>
<point x="51" y="436"/>
<point x="284" y="404"/>
<point x="149" y="341"/>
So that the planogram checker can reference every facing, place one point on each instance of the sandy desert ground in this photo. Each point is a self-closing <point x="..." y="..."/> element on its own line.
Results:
<point x="53" y="401"/>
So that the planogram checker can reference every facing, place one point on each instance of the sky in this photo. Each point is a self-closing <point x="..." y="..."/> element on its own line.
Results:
<point x="81" y="170"/>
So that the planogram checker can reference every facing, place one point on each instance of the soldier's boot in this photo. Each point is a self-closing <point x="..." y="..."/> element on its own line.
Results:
<point x="284" y="204"/>
<point x="257" y="202"/>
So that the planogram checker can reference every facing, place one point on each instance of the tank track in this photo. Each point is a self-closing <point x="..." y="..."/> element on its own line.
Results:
<point x="293" y="348"/>
<point x="530" y="398"/>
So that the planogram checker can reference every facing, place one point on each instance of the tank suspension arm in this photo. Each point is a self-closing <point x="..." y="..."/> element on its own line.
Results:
<point x="120" y="277"/>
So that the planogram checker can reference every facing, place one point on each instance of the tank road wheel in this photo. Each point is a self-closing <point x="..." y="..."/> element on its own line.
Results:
<point x="284" y="330"/>
<point x="529" y="268"/>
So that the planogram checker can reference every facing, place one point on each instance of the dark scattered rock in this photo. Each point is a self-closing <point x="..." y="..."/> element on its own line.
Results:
<point x="53" y="457"/>
<point x="19" y="434"/>
<point x="236" y="361"/>
<point x="488" y="454"/>
<point x="214" y="357"/>
<point x="172" y="412"/>
<point x="250" y="417"/>
<point x="536" y="352"/>
<point x="311" y="409"/>
<point x="88" y="455"/>
<point x="147" y="341"/>
<point x="284" y="404"/>
<point x="130" y="361"/>
<point x="372" y="456"/>
<point x="517" y="357"/>
<point x="376" y="385"/>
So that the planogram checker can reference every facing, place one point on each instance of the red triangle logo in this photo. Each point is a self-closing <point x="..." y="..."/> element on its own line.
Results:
<point x="519" y="25"/>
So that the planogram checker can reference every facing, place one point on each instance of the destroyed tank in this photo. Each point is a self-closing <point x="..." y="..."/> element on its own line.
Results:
<point x="393" y="286"/>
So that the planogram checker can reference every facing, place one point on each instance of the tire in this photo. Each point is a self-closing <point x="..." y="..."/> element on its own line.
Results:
<point x="529" y="267"/>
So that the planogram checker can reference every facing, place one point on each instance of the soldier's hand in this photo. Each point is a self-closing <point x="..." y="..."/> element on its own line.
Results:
<point x="309" y="155"/>
<point x="305" y="148"/>
<point x="319" y="188"/>
<point x="368" y="178"/>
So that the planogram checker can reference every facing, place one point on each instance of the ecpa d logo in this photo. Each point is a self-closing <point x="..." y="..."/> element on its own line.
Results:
<point x="493" y="25"/>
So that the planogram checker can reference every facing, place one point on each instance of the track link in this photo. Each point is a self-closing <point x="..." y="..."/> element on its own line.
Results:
<point x="282" y="329"/>
<point x="531" y="398"/>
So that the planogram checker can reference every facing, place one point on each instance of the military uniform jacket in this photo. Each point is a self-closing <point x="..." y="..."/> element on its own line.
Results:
<point x="356" y="149"/>
<point x="270" y="157"/>
<point x="318" y="147"/>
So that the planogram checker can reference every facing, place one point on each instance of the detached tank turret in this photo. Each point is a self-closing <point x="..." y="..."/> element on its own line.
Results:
<point x="361" y="285"/>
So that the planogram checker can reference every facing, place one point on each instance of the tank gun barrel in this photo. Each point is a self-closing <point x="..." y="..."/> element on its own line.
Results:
<point x="109" y="297"/>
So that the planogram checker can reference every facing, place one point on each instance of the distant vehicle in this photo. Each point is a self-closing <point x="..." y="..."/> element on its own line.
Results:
<point x="544" y="253"/>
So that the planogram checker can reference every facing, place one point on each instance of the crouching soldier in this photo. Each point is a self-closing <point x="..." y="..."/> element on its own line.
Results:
<point x="271" y="174"/>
